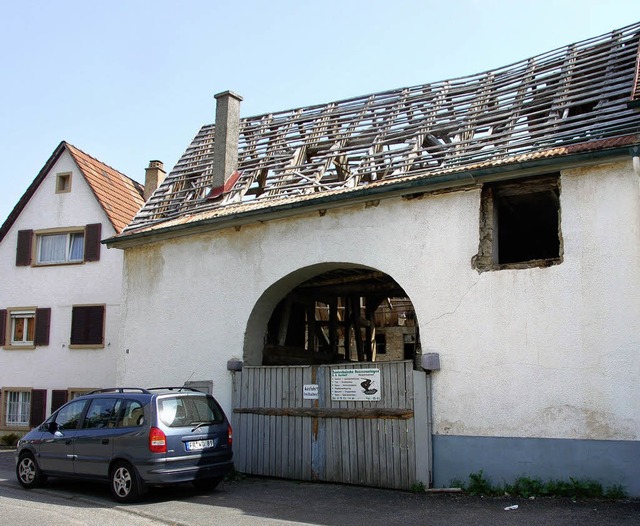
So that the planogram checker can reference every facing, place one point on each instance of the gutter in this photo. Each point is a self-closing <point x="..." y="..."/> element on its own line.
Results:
<point x="428" y="184"/>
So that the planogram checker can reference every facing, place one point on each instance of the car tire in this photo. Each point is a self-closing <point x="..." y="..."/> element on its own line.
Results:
<point x="124" y="482"/>
<point x="206" y="484"/>
<point x="28" y="472"/>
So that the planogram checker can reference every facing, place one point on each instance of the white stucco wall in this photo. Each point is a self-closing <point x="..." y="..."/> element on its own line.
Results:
<point x="60" y="287"/>
<point x="540" y="352"/>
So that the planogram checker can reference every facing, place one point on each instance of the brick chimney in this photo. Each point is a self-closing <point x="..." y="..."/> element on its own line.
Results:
<point x="225" y="154"/>
<point x="153" y="177"/>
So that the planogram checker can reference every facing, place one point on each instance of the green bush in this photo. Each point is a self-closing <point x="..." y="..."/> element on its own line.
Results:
<point x="9" y="440"/>
<point x="479" y="485"/>
<point x="418" y="487"/>
<point x="526" y="487"/>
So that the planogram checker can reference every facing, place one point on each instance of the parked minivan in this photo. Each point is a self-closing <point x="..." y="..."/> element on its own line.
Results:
<point x="132" y="437"/>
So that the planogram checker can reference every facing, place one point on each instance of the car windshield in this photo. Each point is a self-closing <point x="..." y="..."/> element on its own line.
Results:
<point x="178" y="411"/>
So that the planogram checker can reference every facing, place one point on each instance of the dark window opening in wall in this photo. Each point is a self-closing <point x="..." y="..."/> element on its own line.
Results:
<point x="409" y="341"/>
<point x="520" y="224"/>
<point x="527" y="227"/>
<point x="381" y="343"/>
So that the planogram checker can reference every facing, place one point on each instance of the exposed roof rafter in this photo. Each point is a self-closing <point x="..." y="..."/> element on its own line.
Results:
<point x="573" y="95"/>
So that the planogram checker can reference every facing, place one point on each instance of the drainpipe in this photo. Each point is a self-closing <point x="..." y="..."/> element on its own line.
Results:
<point x="227" y="131"/>
<point x="430" y="363"/>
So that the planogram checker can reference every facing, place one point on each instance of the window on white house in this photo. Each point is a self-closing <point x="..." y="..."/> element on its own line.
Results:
<point x="23" y="327"/>
<point x="87" y="325"/>
<point x="60" y="248"/>
<point x="18" y="408"/>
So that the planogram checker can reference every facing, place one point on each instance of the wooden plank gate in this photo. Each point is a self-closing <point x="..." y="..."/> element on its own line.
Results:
<point x="303" y="423"/>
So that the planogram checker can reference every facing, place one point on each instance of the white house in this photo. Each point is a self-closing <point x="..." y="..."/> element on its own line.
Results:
<point x="60" y="292"/>
<point x="501" y="209"/>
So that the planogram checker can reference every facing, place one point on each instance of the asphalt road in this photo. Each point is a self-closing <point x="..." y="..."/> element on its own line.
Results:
<point x="251" y="501"/>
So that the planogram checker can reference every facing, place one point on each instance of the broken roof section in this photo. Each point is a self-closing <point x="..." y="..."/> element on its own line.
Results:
<point x="119" y="195"/>
<point x="575" y="98"/>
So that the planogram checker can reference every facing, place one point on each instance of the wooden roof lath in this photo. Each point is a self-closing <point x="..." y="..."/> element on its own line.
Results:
<point x="573" y="95"/>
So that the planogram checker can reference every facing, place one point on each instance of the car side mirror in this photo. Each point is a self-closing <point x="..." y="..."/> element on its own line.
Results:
<point x="52" y="427"/>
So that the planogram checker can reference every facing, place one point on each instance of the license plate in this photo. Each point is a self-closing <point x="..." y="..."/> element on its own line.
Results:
<point x="197" y="445"/>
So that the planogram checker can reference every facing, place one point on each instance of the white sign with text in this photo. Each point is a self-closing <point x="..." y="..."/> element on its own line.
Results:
<point x="358" y="385"/>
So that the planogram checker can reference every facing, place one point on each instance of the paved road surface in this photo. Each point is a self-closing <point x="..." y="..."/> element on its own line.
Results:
<point x="252" y="501"/>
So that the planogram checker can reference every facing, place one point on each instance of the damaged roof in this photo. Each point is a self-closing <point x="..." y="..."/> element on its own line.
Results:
<point x="578" y="98"/>
<point x="119" y="195"/>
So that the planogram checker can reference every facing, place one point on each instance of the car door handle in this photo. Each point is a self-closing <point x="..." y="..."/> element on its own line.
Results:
<point x="105" y="440"/>
<point x="68" y="442"/>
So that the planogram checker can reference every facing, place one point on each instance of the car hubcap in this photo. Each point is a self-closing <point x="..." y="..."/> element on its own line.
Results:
<point x="27" y="470"/>
<point x="122" y="482"/>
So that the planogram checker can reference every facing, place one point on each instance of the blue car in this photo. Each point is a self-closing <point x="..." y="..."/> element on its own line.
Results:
<point x="132" y="437"/>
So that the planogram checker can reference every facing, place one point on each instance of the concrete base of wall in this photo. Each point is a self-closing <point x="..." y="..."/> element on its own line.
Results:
<point x="611" y="462"/>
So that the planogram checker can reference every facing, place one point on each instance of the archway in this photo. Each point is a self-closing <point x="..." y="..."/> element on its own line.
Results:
<point x="332" y="313"/>
<point x="329" y="389"/>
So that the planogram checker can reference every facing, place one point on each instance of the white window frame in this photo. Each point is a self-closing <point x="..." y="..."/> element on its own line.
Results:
<point x="75" y="392"/>
<point x="17" y="407"/>
<point x="66" y="254"/>
<point x="28" y="316"/>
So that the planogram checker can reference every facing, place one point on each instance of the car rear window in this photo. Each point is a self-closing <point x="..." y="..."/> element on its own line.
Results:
<point x="178" y="411"/>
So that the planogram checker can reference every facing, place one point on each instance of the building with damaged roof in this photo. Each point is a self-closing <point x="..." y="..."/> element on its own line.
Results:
<point x="482" y="230"/>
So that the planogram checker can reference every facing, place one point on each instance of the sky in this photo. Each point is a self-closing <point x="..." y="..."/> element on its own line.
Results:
<point x="132" y="81"/>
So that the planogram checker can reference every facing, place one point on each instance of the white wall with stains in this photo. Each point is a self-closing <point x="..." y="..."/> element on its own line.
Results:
<point x="538" y="352"/>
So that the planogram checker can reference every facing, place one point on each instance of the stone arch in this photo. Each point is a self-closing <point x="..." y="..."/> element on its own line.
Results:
<point x="331" y="313"/>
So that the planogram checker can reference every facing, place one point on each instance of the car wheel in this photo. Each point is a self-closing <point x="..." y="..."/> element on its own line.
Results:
<point x="206" y="484"/>
<point x="28" y="472"/>
<point x="124" y="482"/>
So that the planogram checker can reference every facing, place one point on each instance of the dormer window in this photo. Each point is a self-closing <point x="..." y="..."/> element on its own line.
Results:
<point x="63" y="182"/>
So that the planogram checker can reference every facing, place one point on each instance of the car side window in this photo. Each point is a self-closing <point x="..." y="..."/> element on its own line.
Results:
<point x="101" y="413"/>
<point x="69" y="416"/>
<point x="131" y="414"/>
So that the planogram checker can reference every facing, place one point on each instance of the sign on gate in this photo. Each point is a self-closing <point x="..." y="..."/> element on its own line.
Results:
<point x="355" y="385"/>
<point x="310" y="391"/>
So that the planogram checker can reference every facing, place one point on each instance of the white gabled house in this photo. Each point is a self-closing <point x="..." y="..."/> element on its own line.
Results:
<point x="499" y="212"/>
<point x="60" y="290"/>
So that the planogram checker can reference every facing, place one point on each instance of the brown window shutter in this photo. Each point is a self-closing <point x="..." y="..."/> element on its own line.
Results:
<point x="43" y="323"/>
<point x="38" y="407"/>
<point x="87" y="325"/>
<point x="3" y="326"/>
<point x="23" y="252"/>
<point x="92" y="235"/>
<point x="58" y="399"/>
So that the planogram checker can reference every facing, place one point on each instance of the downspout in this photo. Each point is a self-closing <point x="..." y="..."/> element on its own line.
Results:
<point x="430" y="363"/>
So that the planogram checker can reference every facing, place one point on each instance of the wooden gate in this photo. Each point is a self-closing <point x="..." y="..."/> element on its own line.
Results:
<point x="288" y="423"/>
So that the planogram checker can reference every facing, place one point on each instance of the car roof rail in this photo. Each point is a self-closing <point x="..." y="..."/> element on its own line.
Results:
<point x="175" y="388"/>
<point x="120" y="390"/>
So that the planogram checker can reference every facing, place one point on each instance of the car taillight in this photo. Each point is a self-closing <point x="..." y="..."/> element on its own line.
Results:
<point x="157" y="441"/>
<point x="230" y="435"/>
